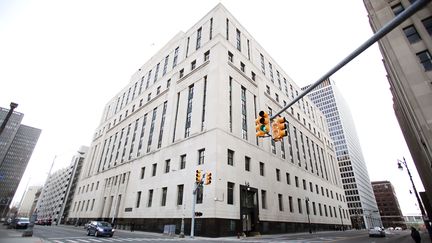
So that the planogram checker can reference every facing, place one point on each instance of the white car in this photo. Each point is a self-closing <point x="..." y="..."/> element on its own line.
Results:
<point x="376" y="232"/>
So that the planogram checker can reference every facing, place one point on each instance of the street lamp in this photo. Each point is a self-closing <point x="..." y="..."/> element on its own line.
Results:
<point x="340" y="214"/>
<point x="307" y="212"/>
<point x="12" y="107"/>
<point x="422" y="210"/>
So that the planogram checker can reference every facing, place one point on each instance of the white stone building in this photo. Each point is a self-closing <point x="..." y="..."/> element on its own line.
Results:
<point x="27" y="201"/>
<point x="193" y="106"/>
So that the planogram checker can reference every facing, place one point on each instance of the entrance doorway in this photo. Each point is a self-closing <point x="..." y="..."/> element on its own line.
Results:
<point x="249" y="214"/>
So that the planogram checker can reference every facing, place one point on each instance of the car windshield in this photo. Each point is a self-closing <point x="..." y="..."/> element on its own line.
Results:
<point x="103" y="224"/>
<point x="24" y="219"/>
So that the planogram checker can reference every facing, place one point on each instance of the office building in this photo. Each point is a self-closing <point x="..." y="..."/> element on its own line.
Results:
<point x="27" y="201"/>
<point x="54" y="201"/>
<point x="388" y="204"/>
<point x="17" y="142"/>
<point x="352" y="167"/>
<point x="193" y="106"/>
<point x="407" y="59"/>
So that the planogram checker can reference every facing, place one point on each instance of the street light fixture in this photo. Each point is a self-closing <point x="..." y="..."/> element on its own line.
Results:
<point x="422" y="210"/>
<point x="307" y="212"/>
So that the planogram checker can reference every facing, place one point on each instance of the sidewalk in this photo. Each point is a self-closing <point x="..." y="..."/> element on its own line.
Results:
<point x="14" y="236"/>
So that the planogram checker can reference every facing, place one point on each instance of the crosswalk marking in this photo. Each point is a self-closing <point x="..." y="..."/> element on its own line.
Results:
<point x="72" y="241"/>
<point x="83" y="240"/>
<point x="99" y="240"/>
<point x="95" y="240"/>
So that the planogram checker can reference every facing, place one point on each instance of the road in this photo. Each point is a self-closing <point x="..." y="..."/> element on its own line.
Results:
<point x="70" y="234"/>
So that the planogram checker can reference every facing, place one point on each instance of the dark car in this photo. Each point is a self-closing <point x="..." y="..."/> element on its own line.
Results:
<point x="20" y="223"/>
<point x="100" y="228"/>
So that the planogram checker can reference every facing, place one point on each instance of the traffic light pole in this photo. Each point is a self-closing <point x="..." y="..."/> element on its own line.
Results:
<point x="194" y="192"/>
<point x="417" y="5"/>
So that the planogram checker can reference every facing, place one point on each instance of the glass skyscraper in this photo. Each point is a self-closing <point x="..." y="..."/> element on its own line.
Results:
<point x="355" y="178"/>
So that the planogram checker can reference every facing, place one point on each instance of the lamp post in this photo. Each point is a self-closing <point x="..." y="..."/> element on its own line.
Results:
<point x="307" y="212"/>
<point x="340" y="214"/>
<point x="422" y="210"/>
<point x="12" y="107"/>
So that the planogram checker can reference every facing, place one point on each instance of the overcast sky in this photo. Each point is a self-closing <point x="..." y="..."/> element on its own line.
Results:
<point x="61" y="61"/>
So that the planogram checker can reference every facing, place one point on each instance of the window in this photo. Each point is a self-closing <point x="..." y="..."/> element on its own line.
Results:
<point x="262" y="64"/>
<point x="397" y="9"/>
<point x="152" y="125"/>
<point x="164" y="196"/>
<point x="288" y="178"/>
<point x="425" y="60"/>
<point x="227" y="29"/>
<point x="157" y="91"/>
<point x="244" y="113"/>
<point x="176" y="52"/>
<point x="230" y="193"/>
<point x="411" y="34"/>
<point x="138" y="200"/>
<point x="296" y="181"/>
<point x="182" y="161"/>
<point x="304" y="184"/>
<point x="299" y="205"/>
<point x="168" y="83"/>
<point x="263" y="199"/>
<point x="230" y="157"/>
<point x="156" y="72"/>
<point x="291" y="208"/>
<point x="193" y="64"/>
<point x="277" y="174"/>
<point x="268" y="89"/>
<point x="280" y="199"/>
<point x="198" y="40"/>
<point x="142" y="172"/>
<point x="206" y="55"/>
<point x="201" y="156"/>
<point x="167" y="165"/>
<point x="230" y="103"/>
<point x="428" y="25"/>
<point x="230" y="57"/>
<point x="261" y="168"/>
<point x="211" y="28"/>
<point x="242" y="66"/>
<point x="310" y="186"/>
<point x="181" y="73"/>
<point x="148" y="99"/>
<point x="189" y="111"/>
<point x="253" y="76"/>
<point x="154" y="166"/>
<point x="238" y="40"/>
<point x="180" y="194"/>
<point x="199" y="196"/>
<point x="165" y="65"/>
<point x="247" y="163"/>
<point x="161" y="129"/>
<point x="314" y="208"/>
<point x="150" y="198"/>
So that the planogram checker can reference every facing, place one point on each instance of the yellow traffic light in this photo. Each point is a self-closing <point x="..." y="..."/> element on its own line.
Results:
<point x="208" y="178"/>
<point x="279" y="128"/>
<point x="262" y="124"/>
<point x="198" y="176"/>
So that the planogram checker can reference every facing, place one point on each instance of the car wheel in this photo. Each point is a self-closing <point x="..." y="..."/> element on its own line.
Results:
<point x="110" y="235"/>
<point x="96" y="234"/>
<point x="88" y="232"/>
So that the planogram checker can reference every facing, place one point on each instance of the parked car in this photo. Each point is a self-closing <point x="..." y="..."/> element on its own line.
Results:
<point x="8" y="221"/>
<point x="376" y="232"/>
<point x="20" y="223"/>
<point x="100" y="228"/>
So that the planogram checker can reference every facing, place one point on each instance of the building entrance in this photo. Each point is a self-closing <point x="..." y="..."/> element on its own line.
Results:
<point x="249" y="214"/>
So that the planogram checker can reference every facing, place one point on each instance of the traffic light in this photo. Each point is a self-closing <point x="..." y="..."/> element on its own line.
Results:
<point x="198" y="176"/>
<point x="208" y="178"/>
<point x="279" y="128"/>
<point x="262" y="124"/>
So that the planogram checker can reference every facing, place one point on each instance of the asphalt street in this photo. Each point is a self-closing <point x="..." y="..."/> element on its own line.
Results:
<point x="71" y="234"/>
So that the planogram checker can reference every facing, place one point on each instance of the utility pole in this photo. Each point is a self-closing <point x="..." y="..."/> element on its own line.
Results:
<point x="425" y="217"/>
<point x="413" y="8"/>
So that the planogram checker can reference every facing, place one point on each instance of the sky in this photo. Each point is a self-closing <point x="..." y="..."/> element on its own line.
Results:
<point x="62" y="61"/>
